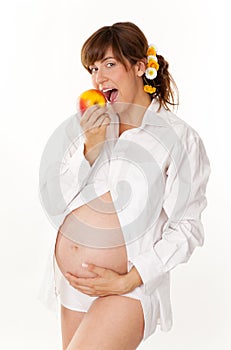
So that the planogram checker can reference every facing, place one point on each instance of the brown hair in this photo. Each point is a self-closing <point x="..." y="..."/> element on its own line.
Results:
<point x="129" y="43"/>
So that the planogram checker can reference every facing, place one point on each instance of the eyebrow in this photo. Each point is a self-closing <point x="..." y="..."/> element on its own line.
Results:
<point x="107" y="58"/>
<point x="104" y="59"/>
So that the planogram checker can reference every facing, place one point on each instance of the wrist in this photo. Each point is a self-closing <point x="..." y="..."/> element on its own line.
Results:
<point x="132" y="280"/>
<point x="90" y="147"/>
<point x="91" y="152"/>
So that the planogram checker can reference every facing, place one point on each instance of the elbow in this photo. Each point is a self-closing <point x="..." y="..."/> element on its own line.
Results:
<point x="194" y="237"/>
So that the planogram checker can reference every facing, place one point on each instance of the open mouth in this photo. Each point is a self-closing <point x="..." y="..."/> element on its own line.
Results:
<point x="111" y="95"/>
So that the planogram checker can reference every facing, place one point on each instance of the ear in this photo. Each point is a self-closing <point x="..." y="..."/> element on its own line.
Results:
<point x="140" y="67"/>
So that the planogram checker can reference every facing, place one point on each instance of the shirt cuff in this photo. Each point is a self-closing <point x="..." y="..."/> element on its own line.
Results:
<point x="150" y="270"/>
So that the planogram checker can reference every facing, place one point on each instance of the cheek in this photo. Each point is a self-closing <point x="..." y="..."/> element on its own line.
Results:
<point x="94" y="83"/>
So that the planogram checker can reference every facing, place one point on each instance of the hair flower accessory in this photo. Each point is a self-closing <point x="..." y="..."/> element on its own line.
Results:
<point x="152" y="57"/>
<point x="152" y="50"/>
<point x="151" y="73"/>
<point x="152" y="63"/>
<point x="149" y="89"/>
<point x="152" y="68"/>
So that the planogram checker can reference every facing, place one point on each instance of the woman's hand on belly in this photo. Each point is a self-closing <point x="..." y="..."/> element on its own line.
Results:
<point x="107" y="282"/>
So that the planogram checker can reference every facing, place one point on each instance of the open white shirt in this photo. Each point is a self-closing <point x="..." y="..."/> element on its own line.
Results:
<point x="157" y="175"/>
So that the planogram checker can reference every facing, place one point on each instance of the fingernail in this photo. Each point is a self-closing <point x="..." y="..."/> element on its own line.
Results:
<point x="84" y="265"/>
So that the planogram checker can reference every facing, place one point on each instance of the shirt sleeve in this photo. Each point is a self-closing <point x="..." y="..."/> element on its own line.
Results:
<point x="64" y="169"/>
<point x="74" y="172"/>
<point x="184" y="201"/>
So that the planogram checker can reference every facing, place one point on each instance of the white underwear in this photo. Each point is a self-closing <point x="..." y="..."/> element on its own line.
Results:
<point x="75" y="300"/>
<point x="70" y="297"/>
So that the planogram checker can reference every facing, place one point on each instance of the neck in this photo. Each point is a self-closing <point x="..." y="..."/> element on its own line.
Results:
<point x="133" y="115"/>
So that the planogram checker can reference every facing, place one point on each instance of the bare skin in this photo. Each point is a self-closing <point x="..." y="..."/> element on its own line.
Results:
<point x="70" y="254"/>
<point x="121" y="325"/>
<point x="70" y="321"/>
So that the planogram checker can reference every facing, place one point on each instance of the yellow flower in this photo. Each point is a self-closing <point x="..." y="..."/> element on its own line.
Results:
<point x="151" y="51"/>
<point x="149" y="89"/>
<point x="153" y="64"/>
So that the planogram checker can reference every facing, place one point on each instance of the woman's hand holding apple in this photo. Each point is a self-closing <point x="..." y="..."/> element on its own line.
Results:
<point x="94" y="122"/>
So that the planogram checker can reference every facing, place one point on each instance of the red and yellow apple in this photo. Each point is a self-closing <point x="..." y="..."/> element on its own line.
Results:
<point x="89" y="98"/>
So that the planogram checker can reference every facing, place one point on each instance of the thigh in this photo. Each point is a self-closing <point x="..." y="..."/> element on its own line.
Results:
<point x="112" y="322"/>
<point x="70" y="321"/>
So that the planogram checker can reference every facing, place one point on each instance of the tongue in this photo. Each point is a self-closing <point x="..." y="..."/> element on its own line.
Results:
<point x="113" y="95"/>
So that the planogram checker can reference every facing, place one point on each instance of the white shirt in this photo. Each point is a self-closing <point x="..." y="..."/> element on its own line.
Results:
<point x="157" y="175"/>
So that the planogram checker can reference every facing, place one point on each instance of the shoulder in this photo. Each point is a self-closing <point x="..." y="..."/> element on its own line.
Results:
<point x="173" y="132"/>
<point x="184" y="131"/>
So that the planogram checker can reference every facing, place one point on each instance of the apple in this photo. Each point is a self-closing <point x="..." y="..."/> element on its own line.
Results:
<point x="89" y="98"/>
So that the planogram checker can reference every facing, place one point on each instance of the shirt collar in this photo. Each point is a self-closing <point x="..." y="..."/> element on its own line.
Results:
<point x="154" y="117"/>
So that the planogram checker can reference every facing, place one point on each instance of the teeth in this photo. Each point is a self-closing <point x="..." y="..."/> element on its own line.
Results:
<point x="106" y="90"/>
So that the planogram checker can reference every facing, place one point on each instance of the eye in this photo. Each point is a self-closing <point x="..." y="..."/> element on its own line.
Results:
<point x="93" y="69"/>
<point x="110" y="64"/>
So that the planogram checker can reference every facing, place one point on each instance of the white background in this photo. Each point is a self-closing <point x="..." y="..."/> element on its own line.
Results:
<point x="40" y="79"/>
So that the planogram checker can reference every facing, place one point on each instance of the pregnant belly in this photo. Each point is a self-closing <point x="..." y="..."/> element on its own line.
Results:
<point x="91" y="234"/>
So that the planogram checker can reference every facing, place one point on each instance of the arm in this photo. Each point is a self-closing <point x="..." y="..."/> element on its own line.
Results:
<point x="75" y="170"/>
<point x="183" y="231"/>
<point x="69" y="157"/>
<point x="63" y="168"/>
<point x="83" y="153"/>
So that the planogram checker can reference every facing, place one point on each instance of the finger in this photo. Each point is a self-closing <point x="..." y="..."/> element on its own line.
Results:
<point x="91" y="115"/>
<point x="87" y="292"/>
<point x="100" y="271"/>
<point x="83" y="289"/>
<point x="102" y="120"/>
<point x="88" y="113"/>
<point x="97" y="123"/>
<point x="88" y="117"/>
<point x="82" y="282"/>
<point x="106" y="121"/>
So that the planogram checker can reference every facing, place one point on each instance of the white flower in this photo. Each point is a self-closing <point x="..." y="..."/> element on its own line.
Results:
<point x="152" y="57"/>
<point x="150" y="73"/>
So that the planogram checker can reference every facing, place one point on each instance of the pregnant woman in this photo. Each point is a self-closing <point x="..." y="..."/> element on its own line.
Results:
<point x="124" y="185"/>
